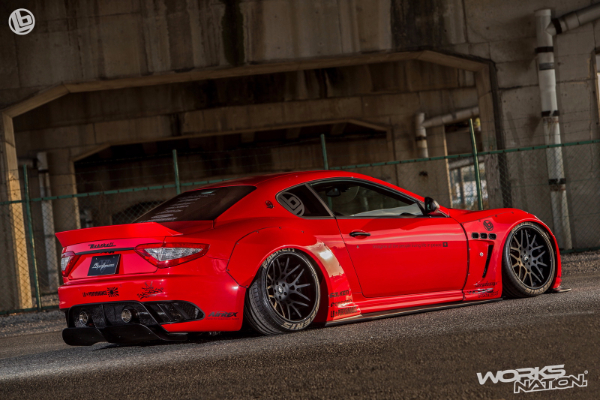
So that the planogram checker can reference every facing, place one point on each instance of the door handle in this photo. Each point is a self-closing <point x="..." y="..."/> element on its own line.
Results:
<point x="359" y="233"/>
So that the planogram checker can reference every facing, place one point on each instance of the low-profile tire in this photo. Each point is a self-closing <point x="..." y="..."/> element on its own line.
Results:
<point x="529" y="261"/>
<point x="284" y="296"/>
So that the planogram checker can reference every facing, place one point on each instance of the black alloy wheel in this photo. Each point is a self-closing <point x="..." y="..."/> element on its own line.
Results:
<point x="285" y="295"/>
<point x="529" y="261"/>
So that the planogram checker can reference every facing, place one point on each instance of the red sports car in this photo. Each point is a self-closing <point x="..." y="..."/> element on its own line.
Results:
<point x="286" y="251"/>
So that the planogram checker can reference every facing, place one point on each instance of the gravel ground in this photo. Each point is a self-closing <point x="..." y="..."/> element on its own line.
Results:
<point x="581" y="263"/>
<point x="51" y="321"/>
<point x="35" y="322"/>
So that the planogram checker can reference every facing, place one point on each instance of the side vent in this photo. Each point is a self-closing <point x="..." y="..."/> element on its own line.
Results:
<point x="487" y="261"/>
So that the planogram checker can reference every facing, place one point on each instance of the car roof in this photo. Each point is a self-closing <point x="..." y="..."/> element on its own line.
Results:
<point x="268" y="186"/>
<point x="260" y="180"/>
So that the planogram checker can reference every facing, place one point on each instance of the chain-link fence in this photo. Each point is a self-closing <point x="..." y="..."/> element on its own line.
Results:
<point x="557" y="183"/>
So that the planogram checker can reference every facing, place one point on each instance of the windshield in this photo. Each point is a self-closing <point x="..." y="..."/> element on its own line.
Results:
<point x="197" y="205"/>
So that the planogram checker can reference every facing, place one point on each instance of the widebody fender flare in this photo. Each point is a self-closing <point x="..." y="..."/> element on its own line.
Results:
<point x="503" y="223"/>
<point x="252" y="250"/>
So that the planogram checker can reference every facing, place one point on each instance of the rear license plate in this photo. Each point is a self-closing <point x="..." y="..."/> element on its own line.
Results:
<point x="104" y="265"/>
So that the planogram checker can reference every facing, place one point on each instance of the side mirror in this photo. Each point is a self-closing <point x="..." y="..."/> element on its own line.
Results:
<point x="431" y="205"/>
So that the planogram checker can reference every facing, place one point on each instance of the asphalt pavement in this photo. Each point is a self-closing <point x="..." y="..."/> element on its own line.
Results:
<point x="423" y="356"/>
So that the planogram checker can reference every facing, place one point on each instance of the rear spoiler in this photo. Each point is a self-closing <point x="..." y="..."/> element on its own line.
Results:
<point x="143" y="229"/>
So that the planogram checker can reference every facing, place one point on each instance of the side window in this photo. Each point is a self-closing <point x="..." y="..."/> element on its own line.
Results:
<point x="302" y="202"/>
<point x="357" y="199"/>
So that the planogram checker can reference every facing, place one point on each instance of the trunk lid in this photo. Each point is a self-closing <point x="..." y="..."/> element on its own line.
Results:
<point x="117" y="243"/>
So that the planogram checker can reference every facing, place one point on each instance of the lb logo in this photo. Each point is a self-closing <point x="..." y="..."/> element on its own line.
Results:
<point x="21" y="21"/>
<point x="488" y="225"/>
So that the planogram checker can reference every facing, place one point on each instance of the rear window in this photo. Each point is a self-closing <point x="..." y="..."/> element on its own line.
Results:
<point x="199" y="205"/>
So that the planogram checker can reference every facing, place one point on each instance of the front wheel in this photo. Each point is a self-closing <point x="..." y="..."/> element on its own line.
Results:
<point x="284" y="296"/>
<point x="529" y="262"/>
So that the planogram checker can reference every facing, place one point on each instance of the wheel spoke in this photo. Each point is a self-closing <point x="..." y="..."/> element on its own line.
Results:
<point x="517" y="269"/>
<point x="295" y="309"/>
<point x="303" y="296"/>
<point x="298" y="302"/>
<point x="536" y="277"/>
<point x="287" y="263"/>
<point x="538" y="270"/>
<point x="298" y="277"/>
<point x="524" y="271"/>
<point x="521" y="244"/>
<point x="303" y="285"/>
<point x="276" y="269"/>
<point x="291" y="272"/>
<point x="541" y="254"/>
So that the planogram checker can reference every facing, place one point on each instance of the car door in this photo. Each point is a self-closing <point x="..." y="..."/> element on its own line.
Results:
<point x="395" y="249"/>
<point x="319" y="222"/>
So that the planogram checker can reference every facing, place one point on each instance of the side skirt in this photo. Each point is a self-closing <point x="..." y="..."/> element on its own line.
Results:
<point x="406" y="311"/>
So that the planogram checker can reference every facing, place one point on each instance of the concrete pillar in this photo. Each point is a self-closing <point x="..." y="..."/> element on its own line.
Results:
<point x="496" y="172"/>
<point x="15" y="283"/>
<point x="63" y="181"/>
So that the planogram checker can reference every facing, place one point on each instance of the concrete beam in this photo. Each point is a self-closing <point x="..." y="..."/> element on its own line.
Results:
<point x="53" y="93"/>
<point x="292" y="129"/>
<point x="246" y="70"/>
<point x="39" y="99"/>
<point x="450" y="61"/>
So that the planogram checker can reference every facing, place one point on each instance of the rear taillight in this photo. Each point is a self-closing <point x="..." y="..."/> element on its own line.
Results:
<point x="67" y="262"/>
<point x="167" y="255"/>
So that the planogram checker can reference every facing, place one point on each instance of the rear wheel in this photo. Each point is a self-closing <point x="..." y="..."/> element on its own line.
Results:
<point x="529" y="262"/>
<point x="284" y="296"/>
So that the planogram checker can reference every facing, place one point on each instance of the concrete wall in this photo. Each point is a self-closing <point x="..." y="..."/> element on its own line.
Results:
<point x="92" y="40"/>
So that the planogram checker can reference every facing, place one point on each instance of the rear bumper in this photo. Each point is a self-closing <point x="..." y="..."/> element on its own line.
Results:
<point x="204" y="282"/>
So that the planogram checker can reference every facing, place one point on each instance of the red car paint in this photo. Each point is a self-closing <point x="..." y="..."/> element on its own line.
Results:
<point x="406" y="262"/>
